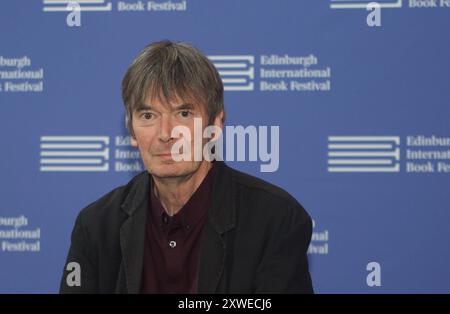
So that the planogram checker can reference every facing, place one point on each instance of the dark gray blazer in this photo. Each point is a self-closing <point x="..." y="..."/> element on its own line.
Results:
<point x="254" y="241"/>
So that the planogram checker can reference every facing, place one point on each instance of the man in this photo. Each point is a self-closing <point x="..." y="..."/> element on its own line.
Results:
<point x="185" y="225"/>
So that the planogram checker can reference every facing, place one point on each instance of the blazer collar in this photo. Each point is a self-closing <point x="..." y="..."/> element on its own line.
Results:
<point x="221" y="218"/>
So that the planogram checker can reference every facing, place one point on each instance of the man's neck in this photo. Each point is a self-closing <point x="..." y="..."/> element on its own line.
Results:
<point x="173" y="193"/>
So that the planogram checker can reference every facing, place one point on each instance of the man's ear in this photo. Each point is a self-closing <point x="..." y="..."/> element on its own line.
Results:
<point x="218" y="120"/>
<point x="134" y="142"/>
<point x="133" y="139"/>
<point x="218" y="123"/>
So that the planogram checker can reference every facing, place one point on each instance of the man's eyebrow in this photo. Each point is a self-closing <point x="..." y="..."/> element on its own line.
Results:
<point x="184" y="106"/>
<point x="143" y="107"/>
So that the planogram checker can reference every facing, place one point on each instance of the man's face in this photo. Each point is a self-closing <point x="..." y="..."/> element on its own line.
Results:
<point x="153" y="124"/>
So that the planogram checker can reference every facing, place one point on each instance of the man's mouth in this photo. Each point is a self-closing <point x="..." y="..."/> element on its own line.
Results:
<point x="166" y="155"/>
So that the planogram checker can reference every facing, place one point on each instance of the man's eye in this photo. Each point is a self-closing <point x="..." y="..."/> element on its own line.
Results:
<point x="147" y="115"/>
<point x="185" y="114"/>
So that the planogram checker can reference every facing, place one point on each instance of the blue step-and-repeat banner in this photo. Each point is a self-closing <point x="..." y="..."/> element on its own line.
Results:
<point x="353" y="100"/>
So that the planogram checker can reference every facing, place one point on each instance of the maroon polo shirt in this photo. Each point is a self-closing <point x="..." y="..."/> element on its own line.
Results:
<point x="172" y="244"/>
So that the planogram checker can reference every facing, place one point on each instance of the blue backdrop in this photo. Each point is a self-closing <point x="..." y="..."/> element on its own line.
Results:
<point x="363" y="115"/>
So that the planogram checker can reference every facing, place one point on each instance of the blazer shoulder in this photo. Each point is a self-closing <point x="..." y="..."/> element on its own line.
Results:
<point x="268" y="194"/>
<point x="110" y="203"/>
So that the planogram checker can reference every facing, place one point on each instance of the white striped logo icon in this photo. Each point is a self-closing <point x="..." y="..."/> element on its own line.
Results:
<point x="363" y="154"/>
<point x="362" y="4"/>
<point x="85" y="5"/>
<point x="237" y="72"/>
<point x="74" y="153"/>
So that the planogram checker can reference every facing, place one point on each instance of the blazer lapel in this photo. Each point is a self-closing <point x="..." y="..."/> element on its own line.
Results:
<point x="221" y="219"/>
<point x="211" y="261"/>
<point x="132" y="233"/>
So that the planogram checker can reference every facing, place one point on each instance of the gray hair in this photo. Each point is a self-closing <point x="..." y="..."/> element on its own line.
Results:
<point x="165" y="71"/>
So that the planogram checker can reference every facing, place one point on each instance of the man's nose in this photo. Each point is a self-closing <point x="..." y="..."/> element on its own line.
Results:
<point x="165" y="129"/>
